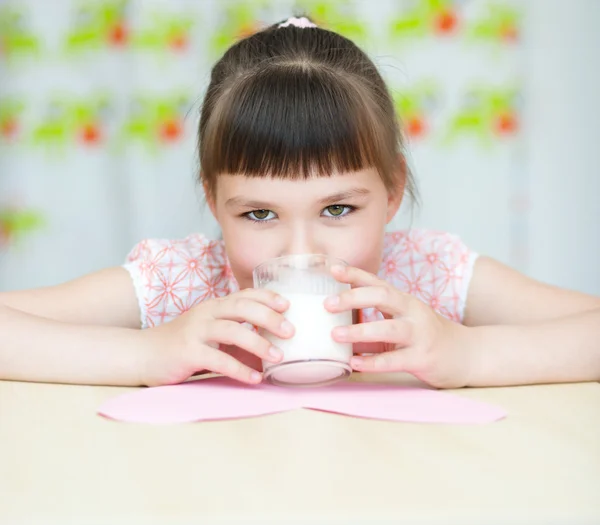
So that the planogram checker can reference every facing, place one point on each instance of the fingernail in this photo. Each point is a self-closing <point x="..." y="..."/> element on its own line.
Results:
<point x="341" y="332"/>
<point x="333" y="300"/>
<point x="275" y="353"/>
<point x="256" y="377"/>
<point x="357" y="362"/>
<point x="287" y="327"/>
<point x="282" y="302"/>
<point x="338" y="268"/>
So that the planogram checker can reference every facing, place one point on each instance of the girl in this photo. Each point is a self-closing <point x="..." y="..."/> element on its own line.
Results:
<point x="300" y="152"/>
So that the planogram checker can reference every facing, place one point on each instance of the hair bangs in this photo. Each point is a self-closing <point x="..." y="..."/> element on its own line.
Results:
<point x="290" y="120"/>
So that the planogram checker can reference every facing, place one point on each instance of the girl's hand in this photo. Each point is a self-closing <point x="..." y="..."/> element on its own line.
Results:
<point x="412" y="337"/>
<point x="202" y="339"/>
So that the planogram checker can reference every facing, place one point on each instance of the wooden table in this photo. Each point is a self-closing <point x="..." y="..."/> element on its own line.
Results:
<point x="60" y="463"/>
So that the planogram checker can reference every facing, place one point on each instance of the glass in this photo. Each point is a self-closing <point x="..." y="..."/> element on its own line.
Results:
<point x="311" y="356"/>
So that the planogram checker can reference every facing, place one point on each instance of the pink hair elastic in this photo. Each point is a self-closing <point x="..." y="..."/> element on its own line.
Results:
<point x="297" y="22"/>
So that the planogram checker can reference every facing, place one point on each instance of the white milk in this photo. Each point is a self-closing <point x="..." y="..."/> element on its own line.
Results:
<point x="312" y="342"/>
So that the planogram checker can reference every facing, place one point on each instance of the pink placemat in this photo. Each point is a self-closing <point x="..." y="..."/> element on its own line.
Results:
<point x="222" y="398"/>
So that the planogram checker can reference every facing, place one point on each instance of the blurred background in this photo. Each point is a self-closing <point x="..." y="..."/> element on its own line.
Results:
<point x="99" y="103"/>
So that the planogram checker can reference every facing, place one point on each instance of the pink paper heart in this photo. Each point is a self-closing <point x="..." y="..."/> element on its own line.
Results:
<point x="222" y="398"/>
<point x="208" y="399"/>
<point x="397" y="403"/>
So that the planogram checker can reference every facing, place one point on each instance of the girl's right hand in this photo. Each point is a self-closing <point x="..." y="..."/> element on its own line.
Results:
<point x="176" y="350"/>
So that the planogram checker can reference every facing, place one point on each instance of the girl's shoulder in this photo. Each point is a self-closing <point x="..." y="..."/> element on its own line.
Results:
<point x="419" y="242"/>
<point x="171" y="276"/>
<point x="432" y="265"/>
<point x="193" y="248"/>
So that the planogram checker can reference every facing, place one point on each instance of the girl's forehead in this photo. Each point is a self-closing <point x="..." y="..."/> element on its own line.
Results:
<point x="368" y="178"/>
<point x="241" y="192"/>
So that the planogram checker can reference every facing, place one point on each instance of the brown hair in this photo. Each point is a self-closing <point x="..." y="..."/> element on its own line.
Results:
<point x="293" y="102"/>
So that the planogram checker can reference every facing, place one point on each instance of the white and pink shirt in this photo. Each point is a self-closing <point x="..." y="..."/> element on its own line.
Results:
<point x="172" y="276"/>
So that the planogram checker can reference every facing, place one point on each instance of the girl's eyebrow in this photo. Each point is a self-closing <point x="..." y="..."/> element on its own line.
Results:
<point x="243" y="203"/>
<point x="347" y="194"/>
<point x="357" y="192"/>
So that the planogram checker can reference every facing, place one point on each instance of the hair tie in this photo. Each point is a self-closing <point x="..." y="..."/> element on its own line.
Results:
<point x="297" y="22"/>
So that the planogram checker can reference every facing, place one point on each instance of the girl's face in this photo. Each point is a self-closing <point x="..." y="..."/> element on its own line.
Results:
<point x="342" y="216"/>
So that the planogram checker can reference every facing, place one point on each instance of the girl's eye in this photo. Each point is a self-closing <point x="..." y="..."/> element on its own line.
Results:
<point x="259" y="215"/>
<point x="338" y="210"/>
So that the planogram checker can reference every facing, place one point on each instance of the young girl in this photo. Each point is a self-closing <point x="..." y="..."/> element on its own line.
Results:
<point x="300" y="152"/>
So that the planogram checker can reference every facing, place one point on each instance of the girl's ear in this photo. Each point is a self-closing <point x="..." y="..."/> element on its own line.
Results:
<point x="395" y="197"/>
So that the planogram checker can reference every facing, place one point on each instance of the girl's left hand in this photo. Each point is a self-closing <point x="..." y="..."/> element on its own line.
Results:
<point x="414" y="337"/>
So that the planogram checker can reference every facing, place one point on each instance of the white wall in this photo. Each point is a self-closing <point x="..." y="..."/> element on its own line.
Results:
<point x="563" y="142"/>
<point x="560" y="232"/>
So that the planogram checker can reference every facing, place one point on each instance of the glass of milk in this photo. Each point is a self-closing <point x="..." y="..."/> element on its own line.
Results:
<point x="311" y="356"/>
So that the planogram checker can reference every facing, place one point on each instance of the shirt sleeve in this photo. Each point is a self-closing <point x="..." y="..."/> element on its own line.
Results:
<point x="172" y="276"/>
<point x="143" y="264"/>
<point x="465" y="270"/>
<point x="433" y="266"/>
<point x="454" y="271"/>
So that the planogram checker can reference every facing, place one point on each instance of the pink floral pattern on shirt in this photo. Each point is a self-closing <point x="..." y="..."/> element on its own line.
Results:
<point x="172" y="276"/>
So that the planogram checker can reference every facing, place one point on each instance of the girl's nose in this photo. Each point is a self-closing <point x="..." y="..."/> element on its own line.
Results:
<point x="300" y="242"/>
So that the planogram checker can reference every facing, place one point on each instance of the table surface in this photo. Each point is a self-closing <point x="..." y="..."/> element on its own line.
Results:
<point x="61" y="463"/>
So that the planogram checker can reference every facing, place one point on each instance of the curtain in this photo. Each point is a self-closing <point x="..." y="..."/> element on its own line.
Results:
<point x="99" y="106"/>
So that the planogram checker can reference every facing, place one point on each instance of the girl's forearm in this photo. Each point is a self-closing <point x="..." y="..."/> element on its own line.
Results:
<point x="37" y="349"/>
<point x="562" y="350"/>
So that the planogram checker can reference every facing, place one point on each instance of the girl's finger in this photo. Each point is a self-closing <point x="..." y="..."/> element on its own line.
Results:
<point x="384" y="298"/>
<point x="248" y="310"/>
<point x="262" y="295"/>
<point x="394" y="361"/>
<point x="396" y="331"/>
<point x="232" y="333"/>
<point x="243" y="356"/>
<point x="369" y="348"/>
<point x="355" y="276"/>
<point x="222" y="363"/>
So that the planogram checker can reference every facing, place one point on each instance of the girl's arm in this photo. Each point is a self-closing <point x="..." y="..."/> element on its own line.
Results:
<point x="106" y="298"/>
<point x="561" y="350"/>
<point x="81" y="331"/>
<point x="522" y="331"/>
<point x="87" y="332"/>
<point x="35" y="348"/>
<point x="500" y="295"/>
